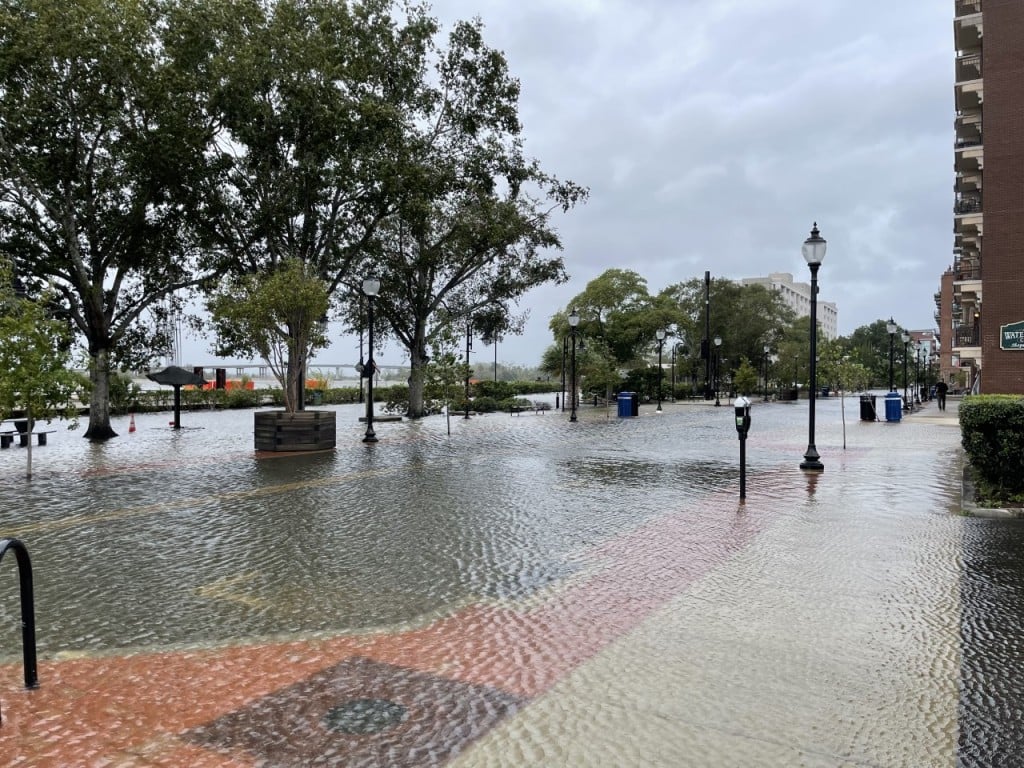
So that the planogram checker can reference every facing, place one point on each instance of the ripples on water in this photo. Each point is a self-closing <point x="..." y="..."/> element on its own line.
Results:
<point x="163" y="538"/>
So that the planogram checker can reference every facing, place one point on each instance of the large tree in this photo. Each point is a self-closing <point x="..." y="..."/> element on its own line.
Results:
<point x="471" y="230"/>
<point x="102" y="140"/>
<point x="313" y="101"/>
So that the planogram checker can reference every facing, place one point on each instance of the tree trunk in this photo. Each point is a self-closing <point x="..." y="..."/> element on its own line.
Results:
<point x="417" y="376"/>
<point x="99" y="400"/>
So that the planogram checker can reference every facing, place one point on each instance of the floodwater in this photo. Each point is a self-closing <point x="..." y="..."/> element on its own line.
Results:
<point x="616" y="603"/>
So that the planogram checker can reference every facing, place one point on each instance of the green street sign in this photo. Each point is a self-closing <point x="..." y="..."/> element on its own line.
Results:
<point x="1012" y="336"/>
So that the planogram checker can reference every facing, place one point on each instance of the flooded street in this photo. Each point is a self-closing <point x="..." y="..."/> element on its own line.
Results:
<point x="522" y="592"/>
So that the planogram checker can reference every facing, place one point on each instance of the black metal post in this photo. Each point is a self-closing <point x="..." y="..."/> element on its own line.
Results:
<point x="661" y="372"/>
<point x="718" y="373"/>
<point x="362" y="365"/>
<point x="469" y="348"/>
<point x="674" y="372"/>
<point x="368" y="371"/>
<point x="28" y="609"/>
<point x="565" y="351"/>
<point x="811" y="458"/>
<point x="907" y="403"/>
<point x="572" y="364"/>
<point x="707" y="335"/>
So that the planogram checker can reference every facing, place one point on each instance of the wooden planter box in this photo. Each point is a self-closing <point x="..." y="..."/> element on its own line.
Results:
<point x="302" y="431"/>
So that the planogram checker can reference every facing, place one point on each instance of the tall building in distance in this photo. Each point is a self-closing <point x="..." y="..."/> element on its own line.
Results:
<point x="798" y="298"/>
<point x="983" y="343"/>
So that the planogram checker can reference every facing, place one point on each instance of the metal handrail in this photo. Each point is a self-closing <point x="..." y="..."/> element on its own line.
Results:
<point x="28" y="609"/>
<point x="967" y="7"/>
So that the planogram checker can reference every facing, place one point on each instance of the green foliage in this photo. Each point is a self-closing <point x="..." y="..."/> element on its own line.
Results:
<point x="275" y="315"/>
<point x="992" y="435"/>
<point x="745" y="379"/>
<point x="124" y="393"/>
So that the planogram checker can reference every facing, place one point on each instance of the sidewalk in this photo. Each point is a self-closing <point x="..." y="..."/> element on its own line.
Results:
<point x="616" y="606"/>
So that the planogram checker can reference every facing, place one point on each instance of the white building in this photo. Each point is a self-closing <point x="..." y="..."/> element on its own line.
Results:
<point x="798" y="297"/>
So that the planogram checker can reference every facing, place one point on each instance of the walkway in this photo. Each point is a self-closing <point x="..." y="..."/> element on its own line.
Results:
<point x="523" y="592"/>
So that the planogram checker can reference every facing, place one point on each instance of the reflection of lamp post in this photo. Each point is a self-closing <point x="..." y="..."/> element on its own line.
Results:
<point x="814" y="252"/>
<point x="371" y="285"/>
<point x="660" y="336"/>
<point x="891" y="328"/>
<point x="766" y="350"/>
<point x="718" y="363"/>
<point x="905" y="337"/>
<point x="574" y="320"/>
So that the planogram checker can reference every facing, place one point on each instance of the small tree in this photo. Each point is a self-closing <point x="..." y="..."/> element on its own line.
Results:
<point x="745" y="380"/>
<point x="34" y="357"/>
<point x="278" y="317"/>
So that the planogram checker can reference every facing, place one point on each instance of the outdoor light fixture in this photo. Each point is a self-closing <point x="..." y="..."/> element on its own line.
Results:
<point x="469" y="348"/>
<point x="574" y="320"/>
<point x="718" y="360"/>
<point x="906" y="341"/>
<point x="371" y="286"/>
<point x="891" y="328"/>
<point x="814" y="253"/>
<point x="660" y="336"/>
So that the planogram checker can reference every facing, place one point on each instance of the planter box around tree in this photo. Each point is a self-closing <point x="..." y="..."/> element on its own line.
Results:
<point x="300" y="431"/>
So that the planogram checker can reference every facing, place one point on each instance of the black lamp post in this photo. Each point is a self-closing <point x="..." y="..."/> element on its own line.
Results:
<point x="767" y="349"/>
<point x="718" y="364"/>
<point x="565" y="351"/>
<point x="371" y="286"/>
<point x="891" y="328"/>
<point x="673" y="357"/>
<point x="574" y="320"/>
<point x="361" y="366"/>
<point x="660" y="336"/>
<point x="917" y="373"/>
<point x="469" y="348"/>
<point x="706" y="343"/>
<point x="814" y="253"/>
<point x="905" y="337"/>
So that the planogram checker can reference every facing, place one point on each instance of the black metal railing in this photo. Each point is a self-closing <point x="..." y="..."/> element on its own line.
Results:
<point x="967" y="205"/>
<point x="967" y="273"/>
<point x="972" y="142"/>
<point x="28" y="609"/>
<point x="967" y="336"/>
<point x="968" y="67"/>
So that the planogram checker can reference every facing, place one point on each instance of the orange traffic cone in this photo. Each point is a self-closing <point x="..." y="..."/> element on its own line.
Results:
<point x="131" y="424"/>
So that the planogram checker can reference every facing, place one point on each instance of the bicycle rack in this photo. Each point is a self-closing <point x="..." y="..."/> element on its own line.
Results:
<point x="28" y="609"/>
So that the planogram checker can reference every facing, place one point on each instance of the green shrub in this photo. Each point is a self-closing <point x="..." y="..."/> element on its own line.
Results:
<point x="992" y="434"/>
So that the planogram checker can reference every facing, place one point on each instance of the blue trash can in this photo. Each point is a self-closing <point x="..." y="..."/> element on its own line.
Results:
<point x="625" y="404"/>
<point x="893" y="406"/>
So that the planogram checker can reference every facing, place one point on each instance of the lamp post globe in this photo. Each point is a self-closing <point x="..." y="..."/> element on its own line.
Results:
<point x="660" y="336"/>
<point x="574" y="320"/>
<point x="371" y="287"/>
<point x="814" y="253"/>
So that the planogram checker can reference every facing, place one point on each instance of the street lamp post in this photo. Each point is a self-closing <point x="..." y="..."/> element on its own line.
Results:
<point x="660" y="336"/>
<point x="565" y="351"/>
<point x="371" y="286"/>
<point x="905" y="338"/>
<point x="718" y="363"/>
<point x="673" y="356"/>
<point x="469" y="348"/>
<point x="766" y="350"/>
<point x="917" y="373"/>
<point x="361" y="366"/>
<point x="814" y="253"/>
<point x="891" y="328"/>
<point x="574" y="320"/>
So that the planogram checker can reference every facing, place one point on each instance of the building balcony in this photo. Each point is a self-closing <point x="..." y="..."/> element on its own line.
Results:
<point x="968" y="67"/>
<point x="967" y="7"/>
<point x="967" y="204"/>
<point x="969" y="95"/>
<point x="967" y="336"/>
<point x="967" y="30"/>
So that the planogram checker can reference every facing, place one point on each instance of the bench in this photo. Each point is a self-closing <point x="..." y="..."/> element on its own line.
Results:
<point x="7" y="437"/>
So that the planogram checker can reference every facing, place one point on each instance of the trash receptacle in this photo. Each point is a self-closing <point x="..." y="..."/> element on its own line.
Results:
<point x="635" y="408"/>
<point x="625" y="404"/>
<point x="867" y="408"/>
<point x="893" y="406"/>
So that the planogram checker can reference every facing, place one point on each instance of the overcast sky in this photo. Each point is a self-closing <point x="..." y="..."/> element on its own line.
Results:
<point x="713" y="134"/>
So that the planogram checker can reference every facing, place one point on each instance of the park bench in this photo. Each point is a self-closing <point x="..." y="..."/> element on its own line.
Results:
<point x="7" y="437"/>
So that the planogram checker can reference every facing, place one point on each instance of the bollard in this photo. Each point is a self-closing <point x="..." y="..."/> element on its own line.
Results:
<point x="742" y="406"/>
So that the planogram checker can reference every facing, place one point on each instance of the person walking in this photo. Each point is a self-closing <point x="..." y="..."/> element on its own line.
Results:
<point x="940" y="393"/>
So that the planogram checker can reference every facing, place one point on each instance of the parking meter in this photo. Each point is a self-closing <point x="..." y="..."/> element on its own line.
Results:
<point x="742" y="416"/>
<point x="742" y="427"/>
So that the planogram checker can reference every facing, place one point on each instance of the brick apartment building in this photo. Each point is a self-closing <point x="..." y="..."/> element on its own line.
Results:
<point x="984" y="340"/>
